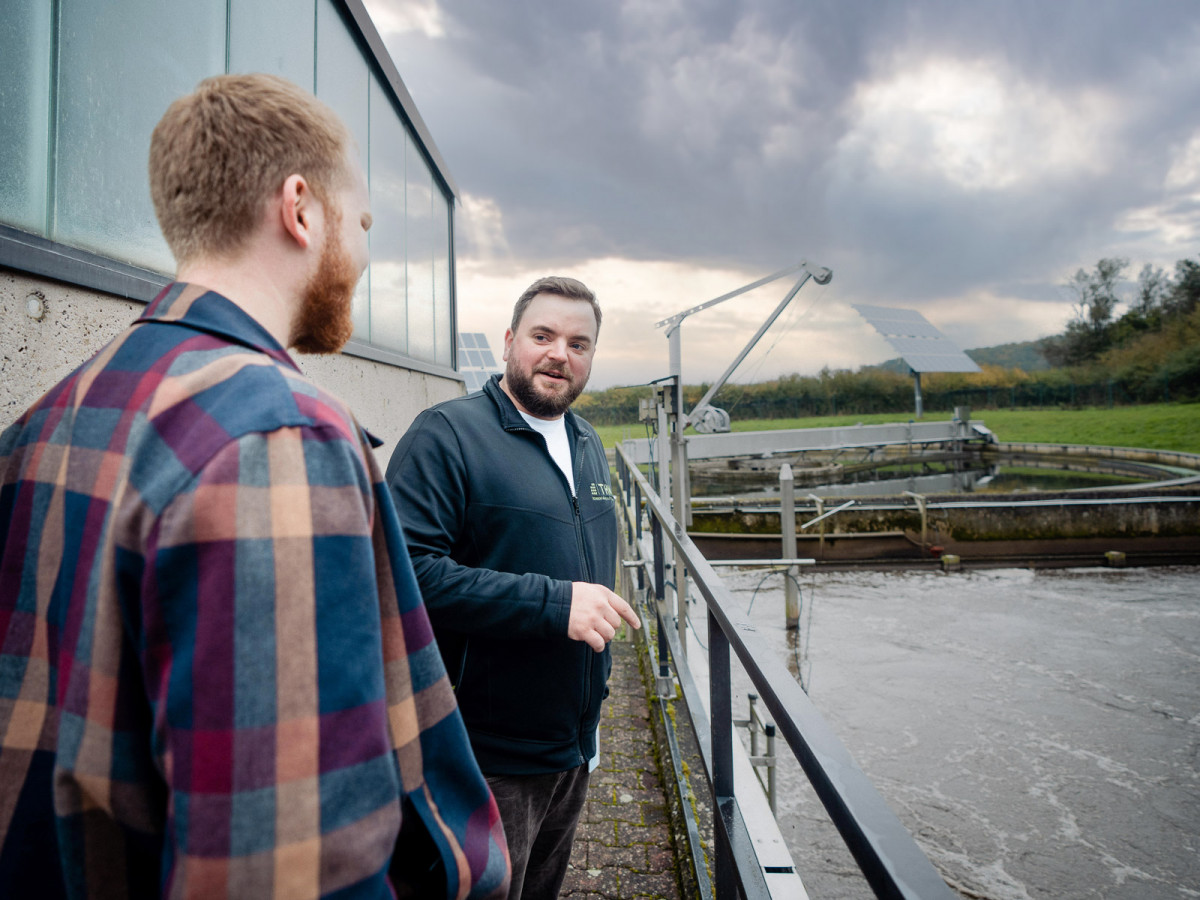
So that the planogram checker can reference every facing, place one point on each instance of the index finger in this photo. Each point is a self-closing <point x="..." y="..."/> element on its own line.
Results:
<point x="625" y="611"/>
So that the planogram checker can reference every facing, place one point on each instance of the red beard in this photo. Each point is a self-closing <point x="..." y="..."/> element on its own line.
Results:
<point x="324" y="322"/>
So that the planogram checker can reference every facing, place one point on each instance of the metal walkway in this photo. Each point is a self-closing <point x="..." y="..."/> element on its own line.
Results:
<point x="801" y="440"/>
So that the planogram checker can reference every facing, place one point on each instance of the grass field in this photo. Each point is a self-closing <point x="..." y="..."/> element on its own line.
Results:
<point x="1160" y="426"/>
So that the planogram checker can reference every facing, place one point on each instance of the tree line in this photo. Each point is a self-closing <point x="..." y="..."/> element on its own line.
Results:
<point x="1149" y="353"/>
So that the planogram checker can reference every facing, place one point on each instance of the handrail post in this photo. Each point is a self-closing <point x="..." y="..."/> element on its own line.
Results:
<point x="682" y="504"/>
<point x="753" y="724"/>
<point x="664" y="671"/>
<point x="769" y="730"/>
<point x="721" y="724"/>
<point x="787" y="521"/>
<point x="637" y="509"/>
<point x="623" y="478"/>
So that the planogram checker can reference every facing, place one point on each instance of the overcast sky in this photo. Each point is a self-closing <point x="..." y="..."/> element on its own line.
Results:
<point x="958" y="158"/>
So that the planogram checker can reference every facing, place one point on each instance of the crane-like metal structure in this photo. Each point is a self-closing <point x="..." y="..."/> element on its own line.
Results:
<point x="705" y="418"/>
<point x="667" y="408"/>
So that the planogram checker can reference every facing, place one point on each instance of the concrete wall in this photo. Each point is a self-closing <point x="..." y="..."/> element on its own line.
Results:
<point x="1043" y="516"/>
<point x="76" y="322"/>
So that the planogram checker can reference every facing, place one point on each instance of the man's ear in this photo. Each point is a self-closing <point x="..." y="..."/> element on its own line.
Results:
<point x="297" y="205"/>
<point x="508" y="339"/>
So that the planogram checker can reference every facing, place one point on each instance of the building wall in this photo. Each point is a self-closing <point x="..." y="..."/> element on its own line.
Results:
<point x="35" y="353"/>
<point x="84" y="84"/>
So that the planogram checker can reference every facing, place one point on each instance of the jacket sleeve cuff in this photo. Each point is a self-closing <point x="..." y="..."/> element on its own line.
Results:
<point x="560" y="600"/>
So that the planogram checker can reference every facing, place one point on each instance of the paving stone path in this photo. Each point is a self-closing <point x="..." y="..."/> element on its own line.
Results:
<point x="624" y="847"/>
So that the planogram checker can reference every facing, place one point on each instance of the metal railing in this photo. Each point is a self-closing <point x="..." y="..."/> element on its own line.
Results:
<point x="755" y="725"/>
<point x="890" y="860"/>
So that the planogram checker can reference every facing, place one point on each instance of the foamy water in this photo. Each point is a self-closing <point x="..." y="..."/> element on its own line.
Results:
<point x="1037" y="732"/>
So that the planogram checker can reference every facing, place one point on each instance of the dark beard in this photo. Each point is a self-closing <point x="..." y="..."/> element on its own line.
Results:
<point x="544" y="406"/>
<point x="324" y="322"/>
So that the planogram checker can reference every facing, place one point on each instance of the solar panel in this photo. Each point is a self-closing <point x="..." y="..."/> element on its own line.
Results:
<point x="476" y="363"/>
<point x="898" y="322"/>
<point x="923" y="347"/>
<point x="474" y="380"/>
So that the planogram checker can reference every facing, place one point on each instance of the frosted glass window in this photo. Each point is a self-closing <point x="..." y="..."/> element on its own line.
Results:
<point x="24" y="114"/>
<point x="274" y="36"/>
<point x="389" y="280"/>
<point x="419" y="198"/>
<point x="120" y="66"/>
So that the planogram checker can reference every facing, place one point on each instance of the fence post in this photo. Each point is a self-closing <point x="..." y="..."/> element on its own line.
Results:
<point x="752" y="723"/>
<point x="787" y="521"/>
<point x="721" y="723"/>
<point x="769" y="729"/>
<point x="660" y="588"/>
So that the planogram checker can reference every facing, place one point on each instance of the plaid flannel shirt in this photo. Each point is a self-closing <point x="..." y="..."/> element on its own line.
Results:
<point x="217" y="678"/>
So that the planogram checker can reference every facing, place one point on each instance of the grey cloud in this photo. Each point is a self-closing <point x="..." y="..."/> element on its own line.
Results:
<point x="711" y="131"/>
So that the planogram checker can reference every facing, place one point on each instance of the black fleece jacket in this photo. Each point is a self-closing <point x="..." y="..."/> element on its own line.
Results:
<point x="496" y="540"/>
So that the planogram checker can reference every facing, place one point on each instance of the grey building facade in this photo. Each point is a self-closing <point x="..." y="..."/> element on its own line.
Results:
<point x="82" y="85"/>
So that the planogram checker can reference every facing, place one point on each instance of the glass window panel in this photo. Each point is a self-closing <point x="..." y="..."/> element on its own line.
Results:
<point x="344" y="82"/>
<point x="120" y="66"/>
<point x="419" y="200"/>
<point x="24" y="114"/>
<point x="343" y="77"/>
<point x="289" y="49"/>
<point x="443" y="307"/>
<point x="389" y="282"/>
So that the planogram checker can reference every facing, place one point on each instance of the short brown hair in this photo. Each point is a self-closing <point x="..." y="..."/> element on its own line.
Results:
<point x="222" y="151"/>
<point x="560" y="286"/>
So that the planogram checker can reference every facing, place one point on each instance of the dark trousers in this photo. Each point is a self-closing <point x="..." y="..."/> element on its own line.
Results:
<point x="539" y="813"/>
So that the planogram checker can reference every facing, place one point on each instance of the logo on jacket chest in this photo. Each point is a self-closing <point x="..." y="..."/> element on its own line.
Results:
<point x="601" y="491"/>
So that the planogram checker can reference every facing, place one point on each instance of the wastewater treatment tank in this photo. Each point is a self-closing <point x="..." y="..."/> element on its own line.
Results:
<point x="924" y="491"/>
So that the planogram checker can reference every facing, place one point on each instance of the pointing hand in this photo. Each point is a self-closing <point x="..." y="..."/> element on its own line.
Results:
<point x="596" y="613"/>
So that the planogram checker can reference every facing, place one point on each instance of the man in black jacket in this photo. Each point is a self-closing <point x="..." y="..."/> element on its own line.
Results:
<point x="508" y="512"/>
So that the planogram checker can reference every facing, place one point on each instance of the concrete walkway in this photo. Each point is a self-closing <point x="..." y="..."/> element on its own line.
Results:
<point x="624" y="847"/>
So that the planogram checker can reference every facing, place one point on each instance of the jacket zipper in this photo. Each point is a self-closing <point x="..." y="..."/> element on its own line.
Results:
<point x="462" y="666"/>
<point x="580" y="456"/>
<point x="587" y="571"/>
